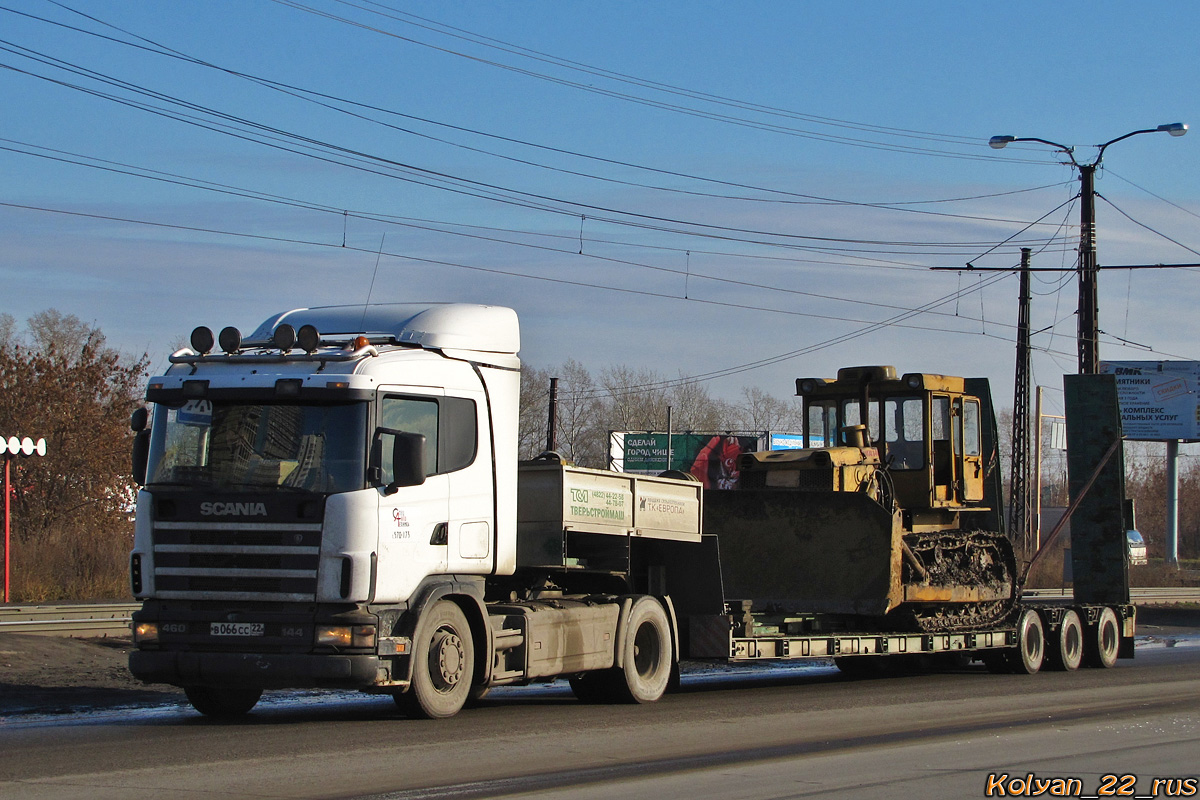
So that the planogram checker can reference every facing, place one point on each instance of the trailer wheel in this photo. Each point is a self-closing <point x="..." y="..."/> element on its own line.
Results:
<point x="1065" y="652"/>
<point x="1105" y="641"/>
<point x="647" y="653"/>
<point x="222" y="702"/>
<point x="1030" y="651"/>
<point x="443" y="665"/>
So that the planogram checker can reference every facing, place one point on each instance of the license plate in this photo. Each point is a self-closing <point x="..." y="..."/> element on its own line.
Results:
<point x="237" y="629"/>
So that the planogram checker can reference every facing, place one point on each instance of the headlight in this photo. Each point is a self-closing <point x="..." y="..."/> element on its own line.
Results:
<point x="346" y="635"/>
<point x="145" y="632"/>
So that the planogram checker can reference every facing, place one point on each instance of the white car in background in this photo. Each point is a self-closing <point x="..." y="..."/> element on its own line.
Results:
<point x="1137" y="548"/>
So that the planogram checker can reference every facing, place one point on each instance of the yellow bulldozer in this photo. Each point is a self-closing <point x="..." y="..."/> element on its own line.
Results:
<point x="890" y="511"/>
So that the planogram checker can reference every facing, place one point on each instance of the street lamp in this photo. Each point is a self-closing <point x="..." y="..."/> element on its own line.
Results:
<point x="1089" y="323"/>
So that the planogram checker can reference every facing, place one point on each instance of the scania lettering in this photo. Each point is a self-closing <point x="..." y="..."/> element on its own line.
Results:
<point x="233" y="509"/>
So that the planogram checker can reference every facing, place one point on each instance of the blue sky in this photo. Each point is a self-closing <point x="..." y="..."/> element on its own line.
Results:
<point x="690" y="187"/>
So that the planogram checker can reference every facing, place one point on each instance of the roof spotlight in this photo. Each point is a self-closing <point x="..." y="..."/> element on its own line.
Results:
<point x="309" y="338"/>
<point x="202" y="340"/>
<point x="284" y="337"/>
<point x="231" y="340"/>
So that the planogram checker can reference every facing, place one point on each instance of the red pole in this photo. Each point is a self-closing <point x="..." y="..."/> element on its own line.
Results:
<point x="7" y="515"/>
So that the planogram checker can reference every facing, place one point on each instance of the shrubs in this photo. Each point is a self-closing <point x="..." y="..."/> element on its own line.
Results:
<point x="71" y="509"/>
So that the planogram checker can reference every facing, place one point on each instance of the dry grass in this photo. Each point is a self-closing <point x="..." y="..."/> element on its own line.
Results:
<point x="71" y="565"/>
<point x="1047" y="573"/>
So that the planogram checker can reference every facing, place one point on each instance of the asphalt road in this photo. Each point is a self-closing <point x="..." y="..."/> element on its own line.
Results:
<point x="765" y="734"/>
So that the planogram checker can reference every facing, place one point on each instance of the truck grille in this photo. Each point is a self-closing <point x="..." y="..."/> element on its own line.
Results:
<point x="236" y="561"/>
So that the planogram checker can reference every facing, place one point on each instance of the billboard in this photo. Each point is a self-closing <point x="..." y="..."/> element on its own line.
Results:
<point x="711" y="457"/>
<point x="1158" y="399"/>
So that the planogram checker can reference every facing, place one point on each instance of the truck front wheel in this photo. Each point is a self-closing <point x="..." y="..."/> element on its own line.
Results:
<point x="222" y="702"/>
<point x="443" y="664"/>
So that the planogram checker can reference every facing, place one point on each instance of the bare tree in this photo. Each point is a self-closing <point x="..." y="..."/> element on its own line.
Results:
<point x="694" y="409"/>
<point x="582" y="437"/>
<point x="761" y="411"/>
<point x="534" y="405"/>
<point x="634" y="399"/>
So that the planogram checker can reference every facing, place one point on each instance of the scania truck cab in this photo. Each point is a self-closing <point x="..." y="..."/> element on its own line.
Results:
<point x="333" y="502"/>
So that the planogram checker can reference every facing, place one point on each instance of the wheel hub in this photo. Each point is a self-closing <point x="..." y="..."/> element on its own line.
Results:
<point x="448" y="652"/>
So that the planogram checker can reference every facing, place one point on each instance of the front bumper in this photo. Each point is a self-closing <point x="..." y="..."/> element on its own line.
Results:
<point x="264" y="670"/>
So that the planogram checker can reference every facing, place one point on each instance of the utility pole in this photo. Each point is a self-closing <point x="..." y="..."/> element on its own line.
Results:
<point x="1089" y="317"/>
<point x="1089" y="299"/>
<point x="552" y="421"/>
<point x="1020" y="528"/>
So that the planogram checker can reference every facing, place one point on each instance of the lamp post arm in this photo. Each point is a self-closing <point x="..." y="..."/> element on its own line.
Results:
<point x="1100" y="154"/>
<point x="1070" y="151"/>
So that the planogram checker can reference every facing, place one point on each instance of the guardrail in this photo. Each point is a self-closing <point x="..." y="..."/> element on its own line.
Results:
<point x="112" y="619"/>
<point x="1146" y="595"/>
<point x="91" y="619"/>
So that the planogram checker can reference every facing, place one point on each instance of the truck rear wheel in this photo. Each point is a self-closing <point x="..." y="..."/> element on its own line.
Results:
<point x="443" y="664"/>
<point x="1105" y="641"/>
<point x="1065" y="651"/>
<point x="1030" y="651"/>
<point x="222" y="702"/>
<point x="648" y="653"/>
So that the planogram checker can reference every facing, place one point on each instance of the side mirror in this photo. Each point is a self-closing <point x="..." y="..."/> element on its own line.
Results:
<point x="141" y="444"/>
<point x="408" y="458"/>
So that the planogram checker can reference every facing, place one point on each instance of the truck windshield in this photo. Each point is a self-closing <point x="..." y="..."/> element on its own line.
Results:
<point x="248" y="446"/>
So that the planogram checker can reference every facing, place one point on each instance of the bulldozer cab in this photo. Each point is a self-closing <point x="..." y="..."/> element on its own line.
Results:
<point x="926" y="429"/>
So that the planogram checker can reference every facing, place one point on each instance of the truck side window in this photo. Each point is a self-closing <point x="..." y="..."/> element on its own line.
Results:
<point x="411" y="415"/>
<point x="447" y="423"/>
<point x="458" y="436"/>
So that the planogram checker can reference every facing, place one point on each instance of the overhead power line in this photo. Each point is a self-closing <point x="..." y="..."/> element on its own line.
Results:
<point x="672" y="91"/>
<point x="335" y="103"/>
<point x="270" y="136"/>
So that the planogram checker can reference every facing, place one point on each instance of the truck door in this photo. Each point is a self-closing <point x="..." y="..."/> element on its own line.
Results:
<point x="466" y="460"/>
<point x="413" y="520"/>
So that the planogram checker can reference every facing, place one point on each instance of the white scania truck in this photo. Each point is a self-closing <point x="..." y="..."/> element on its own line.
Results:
<point x="333" y="502"/>
<point x="336" y="501"/>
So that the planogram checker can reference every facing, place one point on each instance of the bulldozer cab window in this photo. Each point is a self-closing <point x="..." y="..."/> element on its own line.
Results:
<point x="971" y="445"/>
<point x="972" y="452"/>
<point x="852" y="415"/>
<point x="822" y="425"/>
<point x="904" y="432"/>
